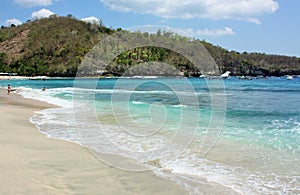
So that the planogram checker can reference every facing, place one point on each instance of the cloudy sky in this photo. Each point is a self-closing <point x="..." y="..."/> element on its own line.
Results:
<point x="269" y="26"/>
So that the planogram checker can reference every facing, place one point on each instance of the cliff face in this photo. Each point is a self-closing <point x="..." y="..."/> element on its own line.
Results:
<point x="56" y="47"/>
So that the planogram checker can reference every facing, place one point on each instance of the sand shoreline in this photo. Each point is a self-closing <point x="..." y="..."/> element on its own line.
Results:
<point x="31" y="163"/>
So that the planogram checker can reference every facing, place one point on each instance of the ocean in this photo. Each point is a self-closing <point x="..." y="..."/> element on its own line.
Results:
<point x="240" y="134"/>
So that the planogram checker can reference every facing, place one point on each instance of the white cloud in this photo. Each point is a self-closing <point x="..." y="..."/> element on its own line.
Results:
<point x="246" y="10"/>
<point x="211" y="33"/>
<point x="92" y="20"/>
<point x="253" y="20"/>
<point x="31" y="3"/>
<point x="43" y="13"/>
<point x="13" y="21"/>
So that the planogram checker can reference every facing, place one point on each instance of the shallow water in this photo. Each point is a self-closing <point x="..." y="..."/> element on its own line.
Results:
<point x="241" y="134"/>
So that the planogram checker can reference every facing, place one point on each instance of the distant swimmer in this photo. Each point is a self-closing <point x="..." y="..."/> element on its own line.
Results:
<point x="8" y="89"/>
<point x="44" y="89"/>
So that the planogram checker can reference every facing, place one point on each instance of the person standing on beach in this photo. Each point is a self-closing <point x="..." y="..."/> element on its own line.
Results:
<point x="8" y="89"/>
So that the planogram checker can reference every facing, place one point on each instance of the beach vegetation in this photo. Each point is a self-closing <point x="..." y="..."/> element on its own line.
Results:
<point x="56" y="46"/>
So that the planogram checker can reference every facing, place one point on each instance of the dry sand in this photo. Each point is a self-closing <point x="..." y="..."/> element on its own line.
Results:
<point x="31" y="163"/>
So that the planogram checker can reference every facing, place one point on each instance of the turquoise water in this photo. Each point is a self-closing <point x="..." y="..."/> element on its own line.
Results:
<point x="242" y="134"/>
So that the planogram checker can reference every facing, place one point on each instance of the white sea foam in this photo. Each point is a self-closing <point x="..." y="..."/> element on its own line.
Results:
<point x="137" y="102"/>
<point x="45" y="96"/>
<point x="122" y="91"/>
<point x="180" y="106"/>
<point x="192" y="168"/>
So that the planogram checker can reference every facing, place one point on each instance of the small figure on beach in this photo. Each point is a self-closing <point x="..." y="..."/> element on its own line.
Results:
<point x="8" y="89"/>
<point x="44" y="89"/>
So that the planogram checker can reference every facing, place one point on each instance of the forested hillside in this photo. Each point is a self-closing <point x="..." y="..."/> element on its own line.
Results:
<point x="56" y="46"/>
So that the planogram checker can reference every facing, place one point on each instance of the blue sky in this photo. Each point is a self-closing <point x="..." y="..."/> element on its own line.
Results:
<point x="269" y="26"/>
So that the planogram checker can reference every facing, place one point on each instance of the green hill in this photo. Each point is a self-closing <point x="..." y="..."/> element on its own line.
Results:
<point x="56" y="46"/>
